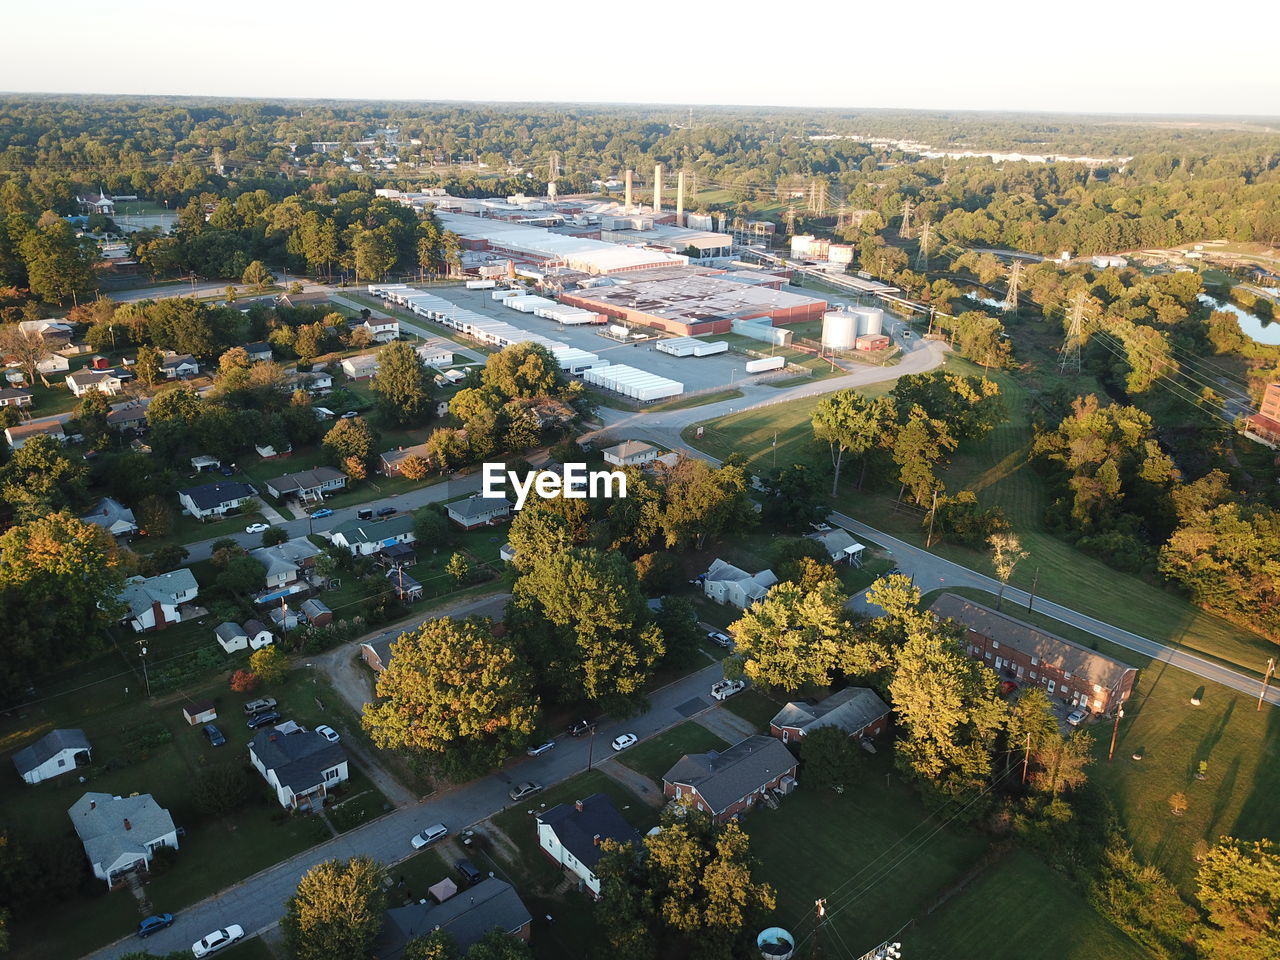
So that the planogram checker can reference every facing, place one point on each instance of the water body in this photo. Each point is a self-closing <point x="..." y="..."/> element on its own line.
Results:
<point x="1253" y="326"/>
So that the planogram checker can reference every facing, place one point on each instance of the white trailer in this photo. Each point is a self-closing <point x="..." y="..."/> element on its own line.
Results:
<point x="766" y="363"/>
<point x="708" y="349"/>
<point x="481" y="284"/>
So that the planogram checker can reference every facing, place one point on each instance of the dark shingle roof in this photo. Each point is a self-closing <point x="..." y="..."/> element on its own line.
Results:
<point x="211" y="495"/>
<point x="48" y="746"/>
<point x="850" y="709"/>
<point x="721" y="779"/>
<point x="577" y="829"/>
<point x="466" y="917"/>
<point x="298" y="759"/>
<point x="478" y="506"/>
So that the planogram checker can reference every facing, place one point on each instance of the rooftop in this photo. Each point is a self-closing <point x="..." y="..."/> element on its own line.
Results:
<point x="113" y="827"/>
<point x="299" y="760"/>
<point x="722" y="779"/>
<point x="466" y="917"/>
<point x="579" y="825"/>
<point x="211" y="495"/>
<point x="850" y="709"/>
<point x="47" y="747"/>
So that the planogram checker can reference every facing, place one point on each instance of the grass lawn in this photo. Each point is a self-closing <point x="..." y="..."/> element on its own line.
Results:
<point x="418" y="873"/>
<point x="359" y="802"/>
<point x="1052" y="920"/>
<point x="700" y="400"/>
<point x="754" y="706"/>
<point x="46" y="401"/>
<point x="187" y="529"/>
<point x="654" y="757"/>
<point x="254" y="949"/>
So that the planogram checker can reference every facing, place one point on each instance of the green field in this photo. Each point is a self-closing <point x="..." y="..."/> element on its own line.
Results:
<point x="656" y="755"/>
<point x="754" y="706"/>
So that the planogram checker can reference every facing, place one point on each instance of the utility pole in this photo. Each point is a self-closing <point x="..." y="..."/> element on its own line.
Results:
<point x="1031" y="598"/>
<point x="933" y="511"/>
<point x="1015" y="281"/>
<point x="922" y="255"/>
<point x="1026" y="757"/>
<point x="1115" y="729"/>
<point x="1069" y="356"/>
<point x="591" y="746"/>
<point x="821" y="907"/>
<point x="1266" y="680"/>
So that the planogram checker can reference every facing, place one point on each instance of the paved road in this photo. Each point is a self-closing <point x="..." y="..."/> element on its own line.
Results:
<point x="258" y="903"/>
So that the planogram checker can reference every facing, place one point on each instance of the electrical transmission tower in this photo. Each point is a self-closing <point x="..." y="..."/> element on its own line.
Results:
<point x="1015" y="281"/>
<point x="1069" y="357"/>
<point x="922" y="255"/>
<point x="904" y="229"/>
<point x="790" y="218"/>
<point x="553" y="165"/>
<point x="818" y="198"/>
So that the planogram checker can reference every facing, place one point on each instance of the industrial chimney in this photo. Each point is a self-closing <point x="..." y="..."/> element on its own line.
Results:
<point x="626" y="204"/>
<point x="657" y="188"/>
<point x="680" y="199"/>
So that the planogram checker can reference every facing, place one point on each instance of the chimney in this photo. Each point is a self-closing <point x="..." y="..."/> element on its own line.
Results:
<point x="680" y="199"/>
<point x="626" y="203"/>
<point x="577" y="805"/>
<point x="657" y="188"/>
<point x="127" y="824"/>
<point x="93" y="804"/>
<point x="595" y="841"/>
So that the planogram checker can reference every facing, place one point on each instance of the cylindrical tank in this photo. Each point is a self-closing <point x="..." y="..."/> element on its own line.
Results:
<point x="839" y="330"/>
<point x="870" y="321"/>
<point x="775" y="944"/>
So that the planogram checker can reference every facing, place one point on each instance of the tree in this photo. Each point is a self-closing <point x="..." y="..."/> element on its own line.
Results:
<point x="242" y="575"/>
<point x="244" y="681"/>
<point x="269" y="664"/>
<point x="375" y="253"/>
<point x="59" y="264"/>
<point x="794" y="497"/>
<point x="459" y="567"/>
<point x="274" y="535"/>
<point x="522" y="370"/>
<point x="402" y="385"/>
<point x="40" y="480"/>
<point x="432" y="526"/>
<point x="830" y="759"/>
<point x="918" y="446"/>
<point x="704" y="502"/>
<point x="414" y="467"/>
<point x="437" y="945"/>
<point x="161" y="560"/>
<point x="220" y="788"/>
<point x="1006" y="552"/>
<point x="28" y="349"/>
<point x="849" y="423"/>
<point x="970" y="406"/>
<point x="257" y="275"/>
<point x="337" y="910"/>
<point x="453" y="689"/>
<point x="147" y="368"/>
<point x="351" y="439"/>
<point x="447" y="449"/>
<point x="793" y="637"/>
<point x="1239" y="886"/>
<point x="499" y="945"/>
<point x="1178" y="804"/>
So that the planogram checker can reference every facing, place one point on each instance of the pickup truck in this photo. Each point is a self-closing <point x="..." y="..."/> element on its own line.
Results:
<point x="724" y="689"/>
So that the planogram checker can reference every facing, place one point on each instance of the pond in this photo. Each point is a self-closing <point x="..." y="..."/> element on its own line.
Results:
<point x="1253" y="326"/>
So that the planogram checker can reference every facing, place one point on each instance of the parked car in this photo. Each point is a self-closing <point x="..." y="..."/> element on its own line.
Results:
<point x="723" y="639"/>
<point x="469" y="872"/>
<point x="724" y="689"/>
<point x="226" y="471"/>
<point x="526" y="789"/>
<point x="1077" y="717"/>
<point x="217" y="940"/>
<point x="429" y="835"/>
<point x="349" y="415"/>
<point x="259" y="705"/>
<point x="541" y="749"/>
<point x="257" y="528"/>
<point x="1007" y="687"/>
<point x="579" y="729"/>
<point x="385" y="511"/>
<point x="328" y="732"/>
<point x="213" y="735"/>
<point x="150" y="925"/>
<point x="321" y="513"/>
<point x="624" y="741"/>
<point x="263" y="719"/>
<point x="364" y="513"/>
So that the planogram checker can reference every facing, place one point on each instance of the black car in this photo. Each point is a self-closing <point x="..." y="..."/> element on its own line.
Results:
<point x="469" y="872"/>
<point x="385" y="511"/>
<point x="150" y="925"/>
<point x="263" y="719"/>
<point x="579" y="729"/>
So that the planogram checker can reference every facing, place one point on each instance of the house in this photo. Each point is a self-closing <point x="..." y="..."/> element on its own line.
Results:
<point x="399" y="555"/>
<point x="284" y="618"/>
<point x="121" y="834"/>
<point x="10" y="397"/>
<point x="258" y="351"/>
<point x="300" y="767"/>
<point x="215" y="499"/>
<point x="389" y="463"/>
<point x="477" y="511"/>
<point x="113" y="516"/>
<point x="314" y="382"/>
<point x="507" y="553"/>
<point x="20" y="434"/>
<point x="855" y="710"/>
<point x="259" y="634"/>
<point x="360" y="367"/>
<point x="492" y="904"/>
<point x="54" y="363"/>
<point x="570" y="835"/>
<point x="434" y="354"/>
<point x="56" y="753"/>
<point x="725" y="583"/>
<point x="406" y="589"/>
<point x="132" y="414"/>
<point x="202" y="711"/>
<point x="630" y="453"/>
<point x="287" y="563"/>
<point x="179" y="365"/>
<point x="377" y="653"/>
<point x="839" y="545"/>
<point x="1264" y="426"/>
<point x="367" y="537"/>
<point x="231" y="636"/>
<point x="729" y="783"/>
<point x="87" y="381"/>
<point x="153" y="602"/>
<point x="1025" y="654"/>
<point x="382" y="329"/>
<point x="307" y="485"/>
<point x="317" y="613"/>
<point x="47" y="329"/>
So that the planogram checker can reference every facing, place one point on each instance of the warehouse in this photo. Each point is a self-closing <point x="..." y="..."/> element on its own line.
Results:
<point x="633" y="383"/>
<point x="691" y="347"/>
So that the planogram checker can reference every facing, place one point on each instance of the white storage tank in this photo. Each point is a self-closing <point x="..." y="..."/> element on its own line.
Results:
<point x="839" y="330"/>
<point x="870" y="321"/>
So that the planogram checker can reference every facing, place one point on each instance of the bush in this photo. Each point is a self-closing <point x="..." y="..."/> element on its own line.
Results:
<point x="243" y="681"/>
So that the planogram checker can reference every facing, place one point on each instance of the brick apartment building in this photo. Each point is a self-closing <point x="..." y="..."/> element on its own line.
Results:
<point x="1265" y="424"/>
<point x="1067" y="671"/>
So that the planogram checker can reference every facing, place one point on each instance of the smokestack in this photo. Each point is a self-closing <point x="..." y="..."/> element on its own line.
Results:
<point x="626" y="204"/>
<point x="680" y="199"/>
<point x="657" y="188"/>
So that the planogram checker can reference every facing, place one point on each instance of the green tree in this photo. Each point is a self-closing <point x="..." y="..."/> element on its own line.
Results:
<point x="793" y="637"/>
<point x="147" y="369"/>
<point x="970" y="406"/>
<point x="40" y="480"/>
<point x="269" y="664"/>
<point x="522" y="370"/>
<point x="1006" y="553"/>
<point x="455" y="690"/>
<point x="447" y="449"/>
<point x="459" y="567"/>
<point x="257" y="275"/>
<point x="59" y="264"/>
<point x="681" y="634"/>
<point x="337" y="910"/>
<point x="402" y="385"/>
<point x="242" y="576"/>
<point x="437" y="945"/>
<point x="830" y="759"/>
<point x="849" y="423"/>
<point x="794" y="497"/>
<point x="375" y="253"/>
<point x="499" y="945"/>
<point x="1239" y="887"/>
<point x="351" y="439"/>
<point x="704" y="502"/>
<point x="919" y="445"/>
<point x="1061" y="762"/>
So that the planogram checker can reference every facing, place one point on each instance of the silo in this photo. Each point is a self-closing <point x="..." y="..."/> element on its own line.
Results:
<point x="839" y="330"/>
<point x="870" y="321"/>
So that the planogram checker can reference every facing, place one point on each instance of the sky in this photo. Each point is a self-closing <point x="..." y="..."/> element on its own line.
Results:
<point x="1135" y="57"/>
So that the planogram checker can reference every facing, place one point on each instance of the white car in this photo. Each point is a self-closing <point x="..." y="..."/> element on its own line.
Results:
<point x="257" y="528"/>
<point x="1077" y="717"/>
<point x="328" y="733"/>
<point x="429" y="836"/>
<point x="217" y="940"/>
<point x="624" y="741"/>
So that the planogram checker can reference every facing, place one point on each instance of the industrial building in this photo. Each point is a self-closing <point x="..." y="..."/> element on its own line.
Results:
<point x="633" y="383"/>
<point x="854" y="328"/>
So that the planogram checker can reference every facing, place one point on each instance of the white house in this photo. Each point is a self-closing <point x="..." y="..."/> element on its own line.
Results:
<point x="725" y="583"/>
<point x="153" y="602"/>
<point x="121" y="834"/>
<point x="114" y="517"/>
<point x="56" y="753"/>
<point x="300" y="767"/>
<point x="307" y="485"/>
<point x="360" y="367"/>
<point x="433" y="355"/>
<point x="570" y="835"/>
<point x="366" y="537"/>
<point x="383" y="329"/>
<point x="215" y="499"/>
<point x="231" y="636"/>
<point x="840" y="545"/>
<point x="314" y="381"/>
<point x="87" y="381"/>
<point x="179" y="365"/>
<point x="259" y="635"/>
<point x="630" y="453"/>
<point x="49" y="329"/>
<point x="19" y="435"/>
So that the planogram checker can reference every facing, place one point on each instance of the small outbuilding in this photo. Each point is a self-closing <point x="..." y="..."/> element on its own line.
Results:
<point x="56" y="753"/>
<point x="202" y="711"/>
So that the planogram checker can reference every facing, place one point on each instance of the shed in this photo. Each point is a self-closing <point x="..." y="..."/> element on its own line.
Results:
<point x="202" y="711"/>
<point x="317" y="613"/>
<point x="56" y="753"/>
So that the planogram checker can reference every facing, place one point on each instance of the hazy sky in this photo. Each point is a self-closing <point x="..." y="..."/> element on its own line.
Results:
<point x="1143" y="56"/>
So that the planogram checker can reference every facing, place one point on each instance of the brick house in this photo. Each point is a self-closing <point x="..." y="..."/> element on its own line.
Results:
<point x="726" y="784"/>
<point x="1017" y="651"/>
<point x="858" y="711"/>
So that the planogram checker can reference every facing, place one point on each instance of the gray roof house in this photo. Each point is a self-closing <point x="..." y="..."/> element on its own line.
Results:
<point x="285" y="563"/>
<point x="113" y="516"/>
<point x="858" y="711"/>
<point x="153" y="602"/>
<point x="725" y="583"/>
<point x="492" y="904"/>
<point x="121" y="834"/>
<point x="231" y="636"/>
<point x="839" y="545"/>
<point x="726" y="784"/>
<point x="377" y="653"/>
<point x="299" y="767"/>
<point x="365" y="537"/>
<point x="56" y="753"/>
<point x="570" y="834"/>
<point x="307" y="485"/>
<point x="630" y="453"/>
<point x="476" y="511"/>
<point x="215" y="499"/>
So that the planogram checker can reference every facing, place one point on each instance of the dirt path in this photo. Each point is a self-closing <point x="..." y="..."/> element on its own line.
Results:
<point x="637" y="783"/>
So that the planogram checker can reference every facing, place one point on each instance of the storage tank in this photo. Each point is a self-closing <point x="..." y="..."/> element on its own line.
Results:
<point x="870" y="321"/>
<point x="839" y="330"/>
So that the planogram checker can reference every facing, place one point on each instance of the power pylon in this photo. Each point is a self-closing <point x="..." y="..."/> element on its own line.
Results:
<point x="922" y="255"/>
<point x="818" y="197"/>
<point x="1015" y="281"/>
<point x="1069" y="356"/>
<point x="904" y="229"/>
<point x="553" y="165"/>
<point x="790" y="218"/>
